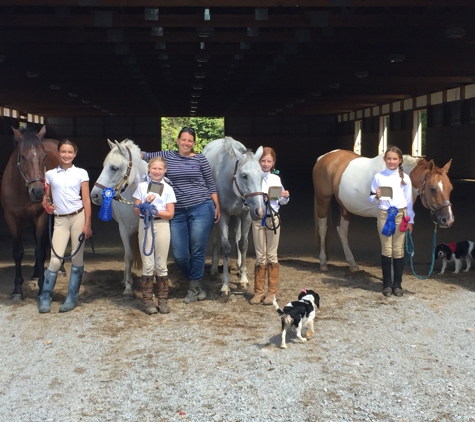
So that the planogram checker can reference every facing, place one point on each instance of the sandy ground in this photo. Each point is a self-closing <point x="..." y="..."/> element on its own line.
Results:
<point x="371" y="358"/>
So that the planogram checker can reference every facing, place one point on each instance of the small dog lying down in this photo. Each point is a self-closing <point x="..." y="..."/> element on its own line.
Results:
<point x="456" y="252"/>
<point x="298" y="314"/>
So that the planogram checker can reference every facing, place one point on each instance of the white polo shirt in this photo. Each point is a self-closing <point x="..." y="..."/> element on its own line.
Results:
<point x="271" y="179"/>
<point x="66" y="188"/>
<point x="160" y="201"/>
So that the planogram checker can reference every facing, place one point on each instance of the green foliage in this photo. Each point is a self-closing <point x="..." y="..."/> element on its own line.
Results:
<point x="207" y="129"/>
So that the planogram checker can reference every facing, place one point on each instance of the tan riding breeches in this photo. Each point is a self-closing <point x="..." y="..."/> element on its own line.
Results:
<point x="266" y="243"/>
<point x="70" y="226"/>
<point x="158" y="259"/>
<point x="391" y="246"/>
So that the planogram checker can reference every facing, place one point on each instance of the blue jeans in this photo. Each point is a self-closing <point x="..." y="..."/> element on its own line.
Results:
<point x="190" y="229"/>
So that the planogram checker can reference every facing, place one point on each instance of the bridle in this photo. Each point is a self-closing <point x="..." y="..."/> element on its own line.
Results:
<point x="30" y="181"/>
<point x="241" y="193"/>
<point x="123" y="183"/>
<point x="423" y="197"/>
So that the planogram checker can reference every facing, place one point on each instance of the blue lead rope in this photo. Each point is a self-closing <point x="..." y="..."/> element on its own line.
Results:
<point x="410" y="252"/>
<point x="149" y="211"/>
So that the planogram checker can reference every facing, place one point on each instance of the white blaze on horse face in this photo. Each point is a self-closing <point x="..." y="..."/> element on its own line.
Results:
<point x="441" y="186"/>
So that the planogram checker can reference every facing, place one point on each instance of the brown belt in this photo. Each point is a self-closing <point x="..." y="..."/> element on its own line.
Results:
<point x="71" y="213"/>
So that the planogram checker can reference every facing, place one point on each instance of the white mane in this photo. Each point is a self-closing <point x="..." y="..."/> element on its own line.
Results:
<point x="116" y="157"/>
<point x="230" y="145"/>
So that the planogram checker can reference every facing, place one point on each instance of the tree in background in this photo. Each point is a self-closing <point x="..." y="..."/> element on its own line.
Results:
<point x="207" y="129"/>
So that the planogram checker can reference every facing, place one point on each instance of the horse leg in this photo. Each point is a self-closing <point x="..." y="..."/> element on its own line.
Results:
<point x="42" y="242"/>
<point x="226" y="251"/>
<point x="237" y="238"/>
<point x="342" y="229"/>
<point x="128" y="260"/>
<point x="214" y="256"/>
<point x="14" y="224"/>
<point x="322" y="233"/>
<point x="245" y="225"/>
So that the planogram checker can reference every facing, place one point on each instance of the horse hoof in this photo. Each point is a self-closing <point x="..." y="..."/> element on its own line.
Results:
<point x="224" y="297"/>
<point x="128" y="295"/>
<point x="354" y="268"/>
<point x="63" y="273"/>
<point x="34" y="278"/>
<point x="16" y="297"/>
<point x="324" y="268"/>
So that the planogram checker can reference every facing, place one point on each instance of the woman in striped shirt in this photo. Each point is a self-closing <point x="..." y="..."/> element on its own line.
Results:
<point x="196" y="209"/>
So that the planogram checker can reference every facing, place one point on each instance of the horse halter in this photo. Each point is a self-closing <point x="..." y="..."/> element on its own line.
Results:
<point x="123" y="183"/>
<point x="29" y="182"/>
<point x="423" y="197"/>
<point x="243" y="196"/>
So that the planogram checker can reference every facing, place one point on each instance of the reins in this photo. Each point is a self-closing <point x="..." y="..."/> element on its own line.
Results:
<point x="81" y="239"/>
<point x="410" y="251"/>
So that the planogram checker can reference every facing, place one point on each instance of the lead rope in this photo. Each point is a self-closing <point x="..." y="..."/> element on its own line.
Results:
<point x="410" y="252"/>
<point x="149" y="211"/>
<point x="269" y="221"/>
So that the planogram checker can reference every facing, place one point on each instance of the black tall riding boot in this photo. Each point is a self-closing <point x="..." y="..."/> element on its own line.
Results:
<point x="398" y="264"/>
<point x="387" y="277"/>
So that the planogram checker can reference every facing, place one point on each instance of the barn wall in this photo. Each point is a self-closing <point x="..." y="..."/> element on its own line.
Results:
<point x="297" y="140"/>
<point x="450" y="134"/>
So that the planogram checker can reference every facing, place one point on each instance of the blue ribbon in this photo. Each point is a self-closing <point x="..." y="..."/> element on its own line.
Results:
<point x="105" y="213"/>
<point x="390" y="226"/>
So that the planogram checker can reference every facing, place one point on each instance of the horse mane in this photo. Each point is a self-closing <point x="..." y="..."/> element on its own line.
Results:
<point x="29" y="139"/>
<point x="115" y="155"/>
<point x="230" y="144"/>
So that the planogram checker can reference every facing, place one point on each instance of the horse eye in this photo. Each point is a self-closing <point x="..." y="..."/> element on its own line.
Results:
<point x="114" y="168"/>
<point x="433" y="190"/>
<point x="244" y="176"/>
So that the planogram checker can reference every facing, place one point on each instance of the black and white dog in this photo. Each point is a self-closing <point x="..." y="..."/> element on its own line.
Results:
<point x="298" y="314"/>
<point x="456" y="252"/>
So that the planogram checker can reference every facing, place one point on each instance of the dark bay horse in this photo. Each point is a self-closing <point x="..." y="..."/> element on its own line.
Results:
<point x="347" y="176"/>
<point x="23" y="188"/>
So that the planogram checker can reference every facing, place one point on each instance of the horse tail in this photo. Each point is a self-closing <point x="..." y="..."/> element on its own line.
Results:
<point x="137" y="264"/>
<point x="316" y="233"/>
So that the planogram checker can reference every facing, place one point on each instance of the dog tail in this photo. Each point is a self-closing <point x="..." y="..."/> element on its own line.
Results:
<point x="276" y="306"/>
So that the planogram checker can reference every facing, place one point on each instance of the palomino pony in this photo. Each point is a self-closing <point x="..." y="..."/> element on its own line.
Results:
<point x="238" y="177"/>
<point x="348" y="176"/>
<point x="123" y="171"/>
<point x="23" y="188"/>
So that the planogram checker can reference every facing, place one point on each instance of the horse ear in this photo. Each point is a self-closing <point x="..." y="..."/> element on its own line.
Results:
<point x="17" y="135"/>
<point x="111" y="145"/>
<point x="120" y="148"/>
<point x="258" y="153"/>
<point x="431" y="165"/>
<point x="447" y="166"/>
<point x="41" y="134"/>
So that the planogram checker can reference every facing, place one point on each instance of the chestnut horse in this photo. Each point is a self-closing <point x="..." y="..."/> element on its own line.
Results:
<point x="347" y="176"/>
<point x="23" y="188"/>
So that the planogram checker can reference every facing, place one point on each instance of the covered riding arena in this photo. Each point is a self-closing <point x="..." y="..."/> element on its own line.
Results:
<point x="305" y="80"/>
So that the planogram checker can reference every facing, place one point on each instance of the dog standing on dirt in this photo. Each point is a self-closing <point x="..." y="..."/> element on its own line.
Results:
<point x="299" y="314"/>
<point x="456" y="252"/>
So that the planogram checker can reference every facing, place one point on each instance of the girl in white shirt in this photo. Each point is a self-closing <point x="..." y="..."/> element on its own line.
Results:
<point x="266" y="241"/>
<point x="392" y="247"/>
<point x="161" y="194"/>
<point x="68" y="199"/>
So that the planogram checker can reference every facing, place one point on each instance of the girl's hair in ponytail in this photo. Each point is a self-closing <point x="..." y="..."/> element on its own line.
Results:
<point x="392" y="148"/>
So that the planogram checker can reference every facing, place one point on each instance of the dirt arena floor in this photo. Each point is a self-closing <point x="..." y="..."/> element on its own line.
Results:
<point x="104" y="314"/>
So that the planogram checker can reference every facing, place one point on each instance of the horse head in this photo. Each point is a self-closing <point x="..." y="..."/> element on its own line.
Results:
<point x="31" y="161"/>
<point x="247" y="182"/>
<point x="117" y="166"/>
<point x="434" y="187"/>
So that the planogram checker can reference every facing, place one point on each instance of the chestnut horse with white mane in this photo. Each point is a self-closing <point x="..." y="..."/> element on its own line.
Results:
<point x="347" y="176"/>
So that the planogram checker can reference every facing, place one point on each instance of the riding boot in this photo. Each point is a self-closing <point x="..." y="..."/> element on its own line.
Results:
<point x="146" y="286"/>
<point x="273" y="282"/>
<point x="398" y="265"/>
<point x="73" y="289"/>
<point x="387" y="277"/>
<point x="196" y="292"/>
<point x="46" y="296"/>
<point x="162" y="294"/>
<point x="259" y="282"/>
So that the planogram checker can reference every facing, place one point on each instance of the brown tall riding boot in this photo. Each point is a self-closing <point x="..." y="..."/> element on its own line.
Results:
<point x="162" y="294"/>
<point x="146" y="285"/>
<point x="273" y="276"/>
<point x="259" y="282"/>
